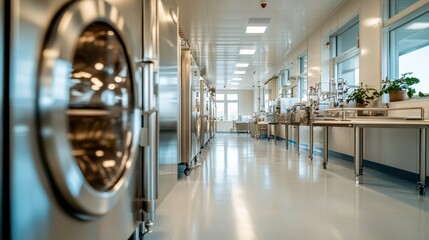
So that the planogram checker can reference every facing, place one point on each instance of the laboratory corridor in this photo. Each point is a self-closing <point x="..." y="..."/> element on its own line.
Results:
<point x="250" y="189"/>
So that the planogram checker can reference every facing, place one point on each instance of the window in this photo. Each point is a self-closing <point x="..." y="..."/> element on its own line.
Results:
<point x="232" y="97"/>
<point x="347" y="39"/>
<point x="396" y="6"/>
<point x="303" y="78"/>
<point x="408" y="49"/>
<point x="232" y="111"/>
<point x="220" y="106"/>
<point x="291" y="83"/>
<point x="284" y="82"/>
<point x="345" y="54"/>
<point x="227" y="106"/>
<point x="348" y="70"/>
<point x="220" y="110"/>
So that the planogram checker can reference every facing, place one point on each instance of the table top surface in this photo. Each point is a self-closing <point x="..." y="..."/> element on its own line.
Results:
<point x="374" y="122"/>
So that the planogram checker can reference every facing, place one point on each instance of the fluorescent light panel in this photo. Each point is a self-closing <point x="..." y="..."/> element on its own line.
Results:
<point x="256" y="29"/>
<point x="235" y="83"/>
<point x="237" y="79"/>
<point x="239" y="72"/>
<point x="247" y="51"/>
<point x="241" y="65"/>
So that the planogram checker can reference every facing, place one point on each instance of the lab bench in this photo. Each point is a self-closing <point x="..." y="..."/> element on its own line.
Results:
<point x="381" y="120"/>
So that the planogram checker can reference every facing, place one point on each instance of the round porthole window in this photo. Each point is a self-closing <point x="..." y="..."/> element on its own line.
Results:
<point x="88" y="114"/>
<point x="100" y="107"/>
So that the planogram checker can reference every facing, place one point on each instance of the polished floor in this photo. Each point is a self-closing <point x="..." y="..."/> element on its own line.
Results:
<point x="250" y="189"/>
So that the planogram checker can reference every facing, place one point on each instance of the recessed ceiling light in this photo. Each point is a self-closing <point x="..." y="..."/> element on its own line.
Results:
<point x="242" y="65"/>
<point x="237" y="79"/>
<point x="247" y="51"/>
<point x="235" y="83"/>
<point x="239" y="72"/>
<point x="418" y="26"/>
<point x="256" y="29"/>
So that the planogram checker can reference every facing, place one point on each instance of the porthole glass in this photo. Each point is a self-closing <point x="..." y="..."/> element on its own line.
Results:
<point x="100" y="107"/>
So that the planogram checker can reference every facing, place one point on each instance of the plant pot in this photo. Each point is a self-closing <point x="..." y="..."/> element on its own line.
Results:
<point x="361" y="105"/>
<point x="398" y="96"/>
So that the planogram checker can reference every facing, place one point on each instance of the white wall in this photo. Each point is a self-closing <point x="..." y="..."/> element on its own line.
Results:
<point x="256" y="99"/>
<point x="245" y="102"/>
<point x="391" y="147"/>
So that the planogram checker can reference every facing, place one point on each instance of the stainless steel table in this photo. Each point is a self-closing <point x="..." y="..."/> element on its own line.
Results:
<point x="359" y="124"/>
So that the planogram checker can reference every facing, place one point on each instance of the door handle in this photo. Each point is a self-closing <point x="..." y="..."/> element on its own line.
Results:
<point x="149" y="170"/>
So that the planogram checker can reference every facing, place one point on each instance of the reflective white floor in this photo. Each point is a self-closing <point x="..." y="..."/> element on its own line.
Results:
<point x="252" y="189"/>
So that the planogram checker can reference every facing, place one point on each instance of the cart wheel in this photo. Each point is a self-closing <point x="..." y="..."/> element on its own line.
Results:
<point x="324" y="165"/>
<point x="422" y="190"/>
<point x="187" y="171"/>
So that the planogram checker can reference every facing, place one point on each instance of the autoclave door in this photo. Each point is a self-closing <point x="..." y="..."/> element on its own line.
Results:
<point x="89" y="118"/>
<point x="75" y="119"/>
<point x="1" y="114"/>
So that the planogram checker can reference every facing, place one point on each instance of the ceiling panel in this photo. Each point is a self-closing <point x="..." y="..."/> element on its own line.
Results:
<point x="216" y="32"/>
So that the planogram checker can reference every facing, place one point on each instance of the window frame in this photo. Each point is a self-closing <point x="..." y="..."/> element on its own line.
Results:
<point x="350" y="53"/>
<point x="390" y="66"/>
<point x="390" y="4"/>
<point x="302" y="77"/>
<point x="290" y="82"/>
<point x="226" y="102"/>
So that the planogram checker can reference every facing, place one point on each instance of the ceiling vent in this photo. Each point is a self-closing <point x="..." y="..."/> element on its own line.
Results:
<point x="259" y="21"/>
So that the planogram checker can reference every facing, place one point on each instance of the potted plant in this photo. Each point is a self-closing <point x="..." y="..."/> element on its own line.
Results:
<point x="400" y="89"/>
<point x="362" y="95"/>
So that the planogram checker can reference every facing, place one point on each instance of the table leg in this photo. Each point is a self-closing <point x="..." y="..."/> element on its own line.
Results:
<point x="258" y="132"/>
<point x="421" y="185"/>
<point x="287" y="136"/>
<point x="358" y="159"/>
<point x="297" y="139"/>
<point x="275" y="134"/>
<point x="325" y="146"/>
<point x="310" y="149"/>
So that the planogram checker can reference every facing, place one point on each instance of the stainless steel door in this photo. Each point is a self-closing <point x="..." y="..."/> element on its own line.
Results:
<point x="206" y="113"/>
<point x="148" y="164"/>
<point x="2" y="174"/>
<point x="189" y="108"/>
<point x="186" y="107"/>
<point x="169" y="97"/>
<point x="202" y="113"/>
<point x="212" y="102"/>
<point x="212" y="112"/>
<point x="76" y="119"/>
<point x="95" y="112"/>
<point x="195" y="109"/>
